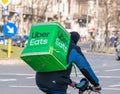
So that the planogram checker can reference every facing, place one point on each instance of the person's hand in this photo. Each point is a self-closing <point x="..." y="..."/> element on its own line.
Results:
<point x="72" y="84"/>
<point x="96" y="89"/>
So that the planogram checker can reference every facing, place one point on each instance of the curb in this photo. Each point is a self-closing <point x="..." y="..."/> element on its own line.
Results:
<point x="11" y="62"/>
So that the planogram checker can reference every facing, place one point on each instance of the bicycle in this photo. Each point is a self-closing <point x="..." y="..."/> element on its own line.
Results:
<point x="84" y="86"/>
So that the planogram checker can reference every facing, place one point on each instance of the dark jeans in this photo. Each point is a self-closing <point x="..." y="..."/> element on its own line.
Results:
<point x="50" y="91"/>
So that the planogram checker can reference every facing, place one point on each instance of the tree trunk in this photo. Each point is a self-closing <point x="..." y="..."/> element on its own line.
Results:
<point x="107" y="36"/>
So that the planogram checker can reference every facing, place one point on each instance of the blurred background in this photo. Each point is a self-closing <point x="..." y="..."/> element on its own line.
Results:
<point x="97" y="21"/>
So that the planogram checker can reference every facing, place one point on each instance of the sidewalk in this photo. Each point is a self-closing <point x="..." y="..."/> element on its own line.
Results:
<point x="11" y="62"/>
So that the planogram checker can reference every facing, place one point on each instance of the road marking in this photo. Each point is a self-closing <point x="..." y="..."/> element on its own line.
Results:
<point x="115" y="85"/>
<point x="21" y="74"/>
<point x="6" y="80"/>
<point x="80" y="75"/>
<point x="111" y="89"/>
<point x="23" y="86"/>
<point x="30" y="77"/>
<point x="113" y="70"/>
<point x="109" y="77"/>
<point x="104" y="65"/>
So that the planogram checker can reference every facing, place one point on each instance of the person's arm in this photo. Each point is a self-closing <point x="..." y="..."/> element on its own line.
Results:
<point x="78" y="58"/>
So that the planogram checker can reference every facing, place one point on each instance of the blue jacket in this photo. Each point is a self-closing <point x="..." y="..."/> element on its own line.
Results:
<point x="76" y="56"/>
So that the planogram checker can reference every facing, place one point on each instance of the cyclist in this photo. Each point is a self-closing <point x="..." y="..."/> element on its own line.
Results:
<point x="57" y="82"/>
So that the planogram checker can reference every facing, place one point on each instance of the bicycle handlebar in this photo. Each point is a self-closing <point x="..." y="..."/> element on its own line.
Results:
<point x="84" y="85"/>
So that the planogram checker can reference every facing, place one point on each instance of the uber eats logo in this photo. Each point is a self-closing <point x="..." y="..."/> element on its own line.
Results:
<point x="42" y="38"/>
<point x="39" y="38"/>
<point x="61" y="41"/>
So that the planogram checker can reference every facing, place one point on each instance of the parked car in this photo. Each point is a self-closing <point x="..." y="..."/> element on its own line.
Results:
<point x="19" y="40"/>
<point x="22" y="41"/>
<point x="15" y="40"/>
<point x="117" y="47"/>
<point x="1" y="39"/>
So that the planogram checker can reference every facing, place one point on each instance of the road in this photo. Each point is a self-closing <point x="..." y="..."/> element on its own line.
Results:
<point x="20" y="79"/>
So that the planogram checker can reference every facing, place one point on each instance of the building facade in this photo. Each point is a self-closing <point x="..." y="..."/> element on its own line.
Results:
<point x="26" y="12"/>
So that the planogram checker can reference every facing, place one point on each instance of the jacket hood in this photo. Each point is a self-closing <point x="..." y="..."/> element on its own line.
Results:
<point x="75" y="36"/>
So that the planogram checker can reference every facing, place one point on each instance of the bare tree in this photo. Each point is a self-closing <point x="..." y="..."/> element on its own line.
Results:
<point x="107" y="16"/>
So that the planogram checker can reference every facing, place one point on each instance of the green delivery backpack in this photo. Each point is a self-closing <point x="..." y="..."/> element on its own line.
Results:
<point x="47" y="47"/>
